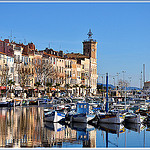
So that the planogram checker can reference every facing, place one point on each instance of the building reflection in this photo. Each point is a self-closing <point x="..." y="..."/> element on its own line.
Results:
<point x="24" y="127"/>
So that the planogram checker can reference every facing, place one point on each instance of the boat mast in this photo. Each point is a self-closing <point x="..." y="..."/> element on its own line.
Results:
<point x="106" y="92"/>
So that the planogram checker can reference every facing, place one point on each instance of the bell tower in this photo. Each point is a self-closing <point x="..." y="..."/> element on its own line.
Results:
<point x="90" y="46"/>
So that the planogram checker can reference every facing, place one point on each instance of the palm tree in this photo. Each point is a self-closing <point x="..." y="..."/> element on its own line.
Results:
<point x="76" y="86"/>
<point x="10" y="83"/>
<point x="82" y="87"/>
<point x="57" y="85"/>
<point x="49" y="84"/>
<point x="37" y="84"/>
<point x="67" y="86"/>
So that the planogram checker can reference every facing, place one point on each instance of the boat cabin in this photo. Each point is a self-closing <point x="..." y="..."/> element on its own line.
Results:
<point x="82" y="107"/>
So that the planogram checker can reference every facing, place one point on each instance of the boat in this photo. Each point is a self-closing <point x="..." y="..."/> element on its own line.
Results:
<point x="82" y="114"/>
<point x="4" y="103"/>
<point x="83" y="118"/>
<point x="107" y="116"/>
<point x="134" y="118"/>
<point x="110" y="117"/>
<point x="54" y="116"/>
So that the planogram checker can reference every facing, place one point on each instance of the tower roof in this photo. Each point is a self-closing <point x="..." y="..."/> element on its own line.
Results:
<point x="90" y="34"/>
<point x="90" y="39"/>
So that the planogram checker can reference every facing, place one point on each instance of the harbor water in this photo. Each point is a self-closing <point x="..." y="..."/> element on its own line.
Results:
<point x="24" y="127"/>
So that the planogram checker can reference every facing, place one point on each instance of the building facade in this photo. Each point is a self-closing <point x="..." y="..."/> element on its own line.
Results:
<point x="77" y="71"/>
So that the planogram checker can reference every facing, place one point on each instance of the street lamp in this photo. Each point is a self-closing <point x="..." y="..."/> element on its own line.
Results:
<point x="125" y="87"/>
<point x="102" y="75"/>
<point x="118" y="78"/>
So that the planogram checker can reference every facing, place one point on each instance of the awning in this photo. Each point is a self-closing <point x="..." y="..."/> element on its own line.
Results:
<point x="53" y="89"/>
<point x="3" y="87"/>
<point x="62" y="88"/>
<point x="18" y="88"/>
<point x="41" y="88"/>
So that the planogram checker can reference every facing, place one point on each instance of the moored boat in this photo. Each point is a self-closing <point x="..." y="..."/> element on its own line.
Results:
<point x="115" y="118"/>
<point x="82" y="114"/>
<point x="53" y="116"/>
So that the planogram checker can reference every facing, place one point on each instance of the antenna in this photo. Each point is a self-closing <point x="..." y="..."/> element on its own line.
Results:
<point x="49" y="45"/>
<point x="14" y="38"/>
<point x="11" y="36"/>
<point x="24" y="41"/>
<point x="60" y="47"/>
<point x="19" y="41"/>
<point x="143" y="73"/>
<point x="141" y="81"/>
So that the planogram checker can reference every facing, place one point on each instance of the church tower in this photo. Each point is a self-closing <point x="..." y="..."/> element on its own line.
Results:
<point x="90" y="46"/>
<point x="90" y="50"/>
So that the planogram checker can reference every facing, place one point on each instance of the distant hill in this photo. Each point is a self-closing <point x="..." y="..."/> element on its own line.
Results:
<point x="128" y="88"/>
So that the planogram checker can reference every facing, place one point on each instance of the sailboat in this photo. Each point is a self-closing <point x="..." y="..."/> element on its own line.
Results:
<point x="109" y="117"/>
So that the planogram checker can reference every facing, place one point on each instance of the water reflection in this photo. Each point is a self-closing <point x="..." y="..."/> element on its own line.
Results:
<point x="25" y="127"/>
<point x="135" y="127"/>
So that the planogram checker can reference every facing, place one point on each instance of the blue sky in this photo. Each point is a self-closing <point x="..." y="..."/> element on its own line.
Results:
<point x="122" y="31"/>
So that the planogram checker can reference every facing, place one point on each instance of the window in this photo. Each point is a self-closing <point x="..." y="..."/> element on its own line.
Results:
<point x="84" y="106"/>
<point x="81" y="106"/>
<point x="12" y="69"/>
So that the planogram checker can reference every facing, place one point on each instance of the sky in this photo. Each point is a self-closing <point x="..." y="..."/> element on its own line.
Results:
<point x="122" y="31"/>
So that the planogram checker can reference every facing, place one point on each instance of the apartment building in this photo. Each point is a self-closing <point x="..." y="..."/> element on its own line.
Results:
<point x="50" y="66"/>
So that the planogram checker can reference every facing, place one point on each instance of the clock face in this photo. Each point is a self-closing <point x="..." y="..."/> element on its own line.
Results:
<point x="93" y="50"/>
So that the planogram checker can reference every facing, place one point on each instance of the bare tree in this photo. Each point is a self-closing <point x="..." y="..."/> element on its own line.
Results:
<point x="47" y="72"/>
<point x="4" y="75"/>
<point x="24" y="75"/>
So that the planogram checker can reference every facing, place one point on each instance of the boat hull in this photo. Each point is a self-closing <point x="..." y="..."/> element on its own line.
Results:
<point x="84" y="118"/>
<point x="110" y="118"/>
<point x="4" y="104"/>
<point x="54" y="117"/>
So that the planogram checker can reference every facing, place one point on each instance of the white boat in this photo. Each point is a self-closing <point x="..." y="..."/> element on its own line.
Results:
<point x="54" y="116"/>
<point x="110" y="118"/>
<point x="134" y="118"/>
